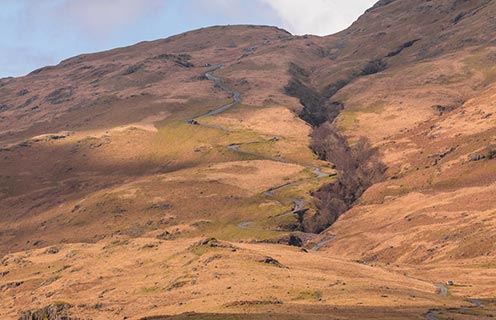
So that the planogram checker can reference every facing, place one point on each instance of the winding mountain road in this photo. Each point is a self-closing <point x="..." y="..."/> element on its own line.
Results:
<point x="433" y="313"/>
<point x="443" y="291"/>
<point x="236" y="98"/>
<point x="320" y="245"/>
<point x="299" y="204"/>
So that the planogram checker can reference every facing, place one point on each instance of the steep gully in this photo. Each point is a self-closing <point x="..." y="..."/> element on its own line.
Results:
<point x="236" y="98"/>
<point x="298" y="203"/>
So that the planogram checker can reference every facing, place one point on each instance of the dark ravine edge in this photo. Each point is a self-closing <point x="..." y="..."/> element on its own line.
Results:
<point x="320" y="111"/>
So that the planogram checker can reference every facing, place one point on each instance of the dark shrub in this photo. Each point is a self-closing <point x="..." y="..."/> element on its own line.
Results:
<point x="132" y="69"/>
<point x="60" y="95"/>
<point x="22" y="92"/>
<point x="358" y="168"/>
<point x="373" y="67"/>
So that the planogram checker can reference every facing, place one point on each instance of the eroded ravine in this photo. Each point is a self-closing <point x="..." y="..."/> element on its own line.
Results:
<point x="318" y="172"/>
<point x="299" y="204"/>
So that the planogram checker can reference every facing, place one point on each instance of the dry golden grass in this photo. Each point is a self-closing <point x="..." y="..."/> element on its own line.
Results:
<point x="130" y="170"/>
<point x="154" y="277"/>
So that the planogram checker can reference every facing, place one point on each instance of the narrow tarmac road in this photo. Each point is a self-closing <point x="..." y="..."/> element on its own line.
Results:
<point x="433" y="313"/>
<point x="318" y="172"/>
<point x="299" y="203"/>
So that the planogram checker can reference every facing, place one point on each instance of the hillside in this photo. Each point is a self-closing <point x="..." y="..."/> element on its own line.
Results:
<point x="241" y="171"/>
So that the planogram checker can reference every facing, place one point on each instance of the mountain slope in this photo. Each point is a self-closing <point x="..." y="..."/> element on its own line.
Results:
<point x="115" y="173"/>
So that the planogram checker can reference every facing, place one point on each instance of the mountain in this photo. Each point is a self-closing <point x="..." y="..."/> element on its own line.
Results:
<point x="243" y="172"/>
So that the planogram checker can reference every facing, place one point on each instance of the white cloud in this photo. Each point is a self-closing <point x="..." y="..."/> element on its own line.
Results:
<point x="320" y="17"/>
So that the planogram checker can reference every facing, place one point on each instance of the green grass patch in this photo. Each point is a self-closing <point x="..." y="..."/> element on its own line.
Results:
<point x="374" y="107"/>
<point x="347" y="120"/>
<point x="308" y="295"/>
<point x="481" y="63"/>
<point x="196" y="144"/>
<point x="191" y="109"/>
<point x="148" y="290"/>
<point x="233" y="232"/>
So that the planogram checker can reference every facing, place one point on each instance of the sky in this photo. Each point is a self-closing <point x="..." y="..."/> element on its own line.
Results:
<point x="36" y="33"/>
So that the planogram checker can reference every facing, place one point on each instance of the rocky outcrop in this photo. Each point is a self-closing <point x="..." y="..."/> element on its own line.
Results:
<point x="57" y="311"/>
<point x="488" y="153"/>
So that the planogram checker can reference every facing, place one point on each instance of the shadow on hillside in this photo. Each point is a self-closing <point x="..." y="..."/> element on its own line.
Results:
<point x="351" y="313"/>
<point x="481" y="309"/>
